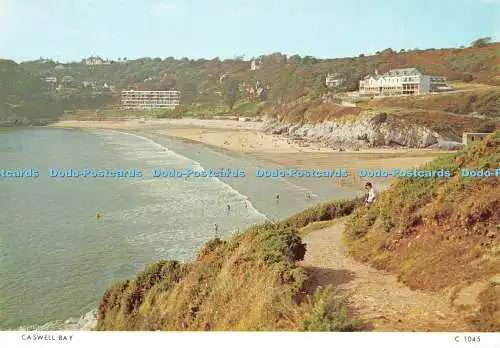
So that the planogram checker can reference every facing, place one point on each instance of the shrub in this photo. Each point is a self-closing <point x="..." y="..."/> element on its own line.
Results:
<point x="487" y="317"/>
<point x="322" y="212"/>
<point x="330" y="313"/>
<point x="279" y="243"/>
<point x="178" y="112"/>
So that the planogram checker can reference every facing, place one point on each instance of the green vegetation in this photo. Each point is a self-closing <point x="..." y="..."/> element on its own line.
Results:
<point x="432" y="233"/>
<point x="249" y="282"/>
<point x="314" y="226"/>
<point x="322" y="212"/>
<point x="488" y="316"/>
<point x="178" y="112"/>
<point x="25" y="98"/>
<point x="482" y="42"/>
<point x="231" y="92"/>
<point x="330" y="314"/>
<point x="436" y="233"/>
<point x="214" y="87"/>
<point x="483" y="101"/>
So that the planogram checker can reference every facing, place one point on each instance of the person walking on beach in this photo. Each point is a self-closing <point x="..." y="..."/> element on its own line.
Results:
<point x="216" y="228"/>
<point x="277" y="198"/>
<point x="371" y="196"/>
<point x="228" y="209"/>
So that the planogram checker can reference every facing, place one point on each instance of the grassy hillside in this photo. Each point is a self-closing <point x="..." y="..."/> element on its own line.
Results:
<point x="205" y="84"/>
<point x="26" y="98"/>
<point x="434" y="234"/>
<point x="484" y="101"/>
<point x="439" y="233"/>
<point x="22" y="94"/>
<point x="285" y="78"/>
<point x="249" y="282"/>
<point x="445" y="114"/>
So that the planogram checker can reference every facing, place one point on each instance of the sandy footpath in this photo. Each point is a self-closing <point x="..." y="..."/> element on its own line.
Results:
<point x="246" y="137"/>
<point x="377" y="296"/>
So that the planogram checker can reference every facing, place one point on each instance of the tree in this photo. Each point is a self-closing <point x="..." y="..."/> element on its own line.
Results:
<point x="481" y="42"/>
<point x="231" y="92"/>
<point x="188" y="91"/>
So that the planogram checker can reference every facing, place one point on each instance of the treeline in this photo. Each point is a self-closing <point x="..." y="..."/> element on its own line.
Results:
<point x="28" y="99"/>
<point x="276" y="78"/>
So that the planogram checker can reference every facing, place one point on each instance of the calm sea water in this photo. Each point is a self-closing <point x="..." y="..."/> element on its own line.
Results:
<point x="57" y="259"/>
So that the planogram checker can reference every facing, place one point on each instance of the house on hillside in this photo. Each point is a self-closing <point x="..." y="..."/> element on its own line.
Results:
<point x="255" y="64"/>
<point x="96" y="61"/>
<point x="223" y="76"/>
<point x="401" y="82"/>
<point x="90" y="84"/>
<point x="67" y="79"/>
<point x="50" y="79"/>
<point x="333" y="80"/>
<point x="109" y="87"/>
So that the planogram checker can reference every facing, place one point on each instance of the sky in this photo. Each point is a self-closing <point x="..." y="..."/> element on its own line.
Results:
<point x="69" y="30"/>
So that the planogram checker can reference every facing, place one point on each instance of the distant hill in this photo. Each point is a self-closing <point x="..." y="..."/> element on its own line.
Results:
<point x="27" y="99"/>
<point x="203" y="83"/>
<point x="287" y="77"/>
<point x="20" y="94"/>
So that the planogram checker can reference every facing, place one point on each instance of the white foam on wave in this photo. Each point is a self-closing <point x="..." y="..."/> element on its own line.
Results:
<point x="154" y="154"/>
<point x="86" y="322"/>
<point x="144" y="153"/>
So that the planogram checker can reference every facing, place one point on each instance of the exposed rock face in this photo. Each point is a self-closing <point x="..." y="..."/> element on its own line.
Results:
<point x="365" y="132"/>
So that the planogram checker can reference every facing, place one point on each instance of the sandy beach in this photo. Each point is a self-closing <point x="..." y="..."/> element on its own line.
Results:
<point x="246" y="137"/>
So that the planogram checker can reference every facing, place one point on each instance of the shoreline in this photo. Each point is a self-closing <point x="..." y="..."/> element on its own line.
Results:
<point x="246" y="139"/>
<point x="295" y="159"/>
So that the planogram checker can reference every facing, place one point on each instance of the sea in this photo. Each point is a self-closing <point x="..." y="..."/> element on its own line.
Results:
<point x="57" y="257"/>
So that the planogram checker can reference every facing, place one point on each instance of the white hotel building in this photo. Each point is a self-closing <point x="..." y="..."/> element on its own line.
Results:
<point x="145" y="100"/>
<point x="401" y="81"/>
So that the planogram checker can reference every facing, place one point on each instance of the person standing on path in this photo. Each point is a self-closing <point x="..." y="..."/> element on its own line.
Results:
<point x="372" y="195"/>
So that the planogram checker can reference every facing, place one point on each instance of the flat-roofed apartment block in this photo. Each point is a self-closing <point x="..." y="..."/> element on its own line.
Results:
<point x="145" y="100"/>
<point x="401" y="82"/>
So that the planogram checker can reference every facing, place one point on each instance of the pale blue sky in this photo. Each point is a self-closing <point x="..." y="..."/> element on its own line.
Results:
<point x="72" y="29"/>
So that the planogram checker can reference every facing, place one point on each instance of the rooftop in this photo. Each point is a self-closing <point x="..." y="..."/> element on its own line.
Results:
<point x="403" y="72"/>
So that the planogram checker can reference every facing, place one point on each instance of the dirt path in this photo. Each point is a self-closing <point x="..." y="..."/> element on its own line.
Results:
<point x="377" y="295"/>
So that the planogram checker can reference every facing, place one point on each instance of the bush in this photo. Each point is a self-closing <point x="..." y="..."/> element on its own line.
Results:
<point x="322" y="212"/>
<point x="330" y="313"/>
<point x="487" y="317"/>
<point x="279" y="243"/>
<point x="380" y="118"/>
<point x="178" y="112"/>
